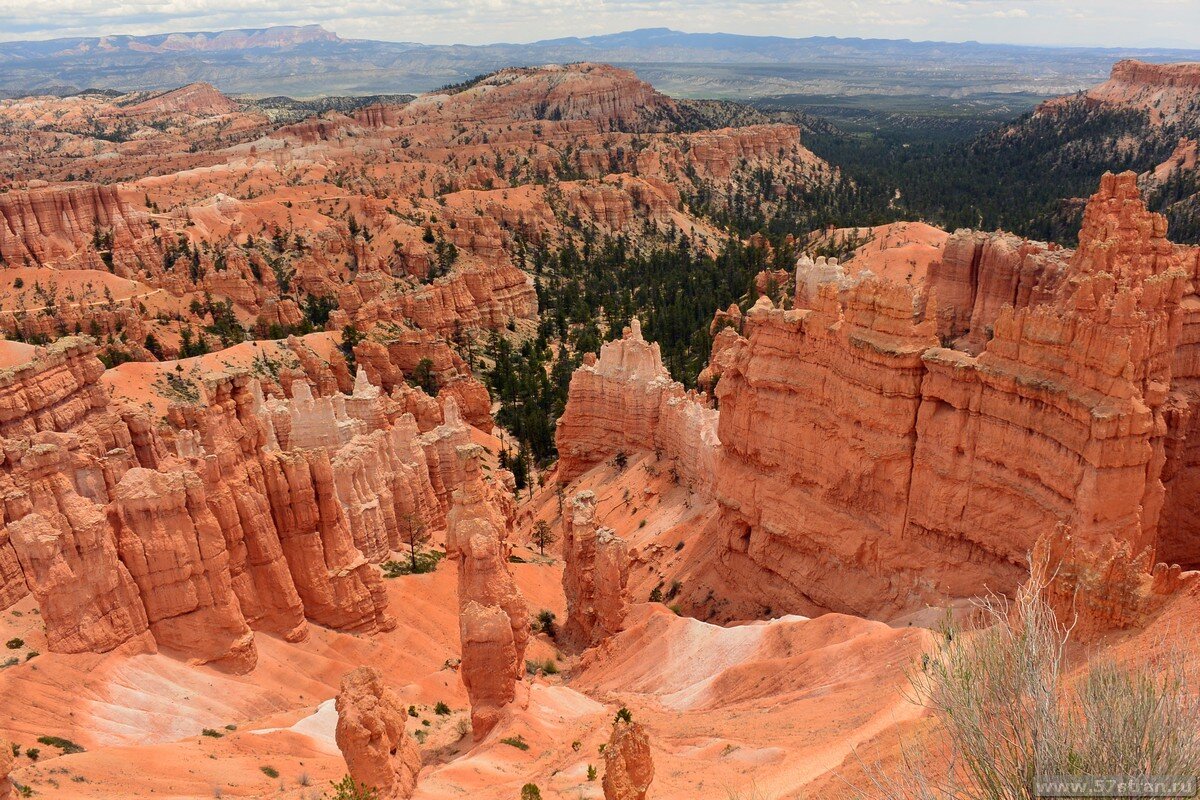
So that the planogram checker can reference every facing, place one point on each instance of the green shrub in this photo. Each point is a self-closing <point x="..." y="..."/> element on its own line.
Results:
<point x="530" y="791"/>
<point x="441" y="709"/>
<point x="269" y="771"/>
<point x="211" y="733"/>
<point x="66" y="745"/>
<point x="426" y="561"/>
<point x="517" y="741"/>
<point x="545" y="623"/>
<point x="15" y="643"/>
<point x="347" y="789"/>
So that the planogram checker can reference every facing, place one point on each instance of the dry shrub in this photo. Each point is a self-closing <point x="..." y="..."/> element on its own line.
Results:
<point x="1009" y="711"/>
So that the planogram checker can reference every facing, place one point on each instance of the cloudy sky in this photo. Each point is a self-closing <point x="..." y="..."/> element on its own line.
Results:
<point x="1130" y="23"/>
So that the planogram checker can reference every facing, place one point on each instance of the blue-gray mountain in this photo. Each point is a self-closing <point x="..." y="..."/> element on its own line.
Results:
<point x="309" y="60"/>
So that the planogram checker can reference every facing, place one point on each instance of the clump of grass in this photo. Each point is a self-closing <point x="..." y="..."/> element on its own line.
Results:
<point x="269" y="771"/>
<point x="65" y="745"/>
<point x="1012" y="707"/>
<point x="517" y="741"/>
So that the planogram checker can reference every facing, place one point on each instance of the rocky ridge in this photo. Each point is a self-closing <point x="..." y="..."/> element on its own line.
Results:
<point x="850" y="442"/>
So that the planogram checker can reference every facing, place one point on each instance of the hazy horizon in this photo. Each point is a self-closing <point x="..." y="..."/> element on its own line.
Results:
<point x="1049" y="23"/>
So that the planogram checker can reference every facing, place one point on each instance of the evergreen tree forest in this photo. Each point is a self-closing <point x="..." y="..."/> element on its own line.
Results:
<point x="1025" y="176"/>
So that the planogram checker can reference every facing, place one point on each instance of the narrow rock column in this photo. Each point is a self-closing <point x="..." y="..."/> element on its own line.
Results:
<point x="6" y="763"/>
<point x="494" y="619"/>
<point x="370" y="733"/>
<point x="595" y="576"/>
<point x="628" y="766"/>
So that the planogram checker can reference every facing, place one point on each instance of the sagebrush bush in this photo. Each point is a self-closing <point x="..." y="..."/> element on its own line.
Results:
<point x="1012" y="709"/>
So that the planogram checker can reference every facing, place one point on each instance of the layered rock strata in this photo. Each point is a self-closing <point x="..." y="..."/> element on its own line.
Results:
<point x="240" y="513"/>
<point x="980" y="274"/>
<point x="851" y="444"/>
<point x="626" y="402"/>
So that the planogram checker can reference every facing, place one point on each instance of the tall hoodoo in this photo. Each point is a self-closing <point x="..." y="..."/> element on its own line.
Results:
<point x="595" y="576"/>
<point x="628" y="765"/>
<point x="493" y="617"/>
<point x="370" y="733"/>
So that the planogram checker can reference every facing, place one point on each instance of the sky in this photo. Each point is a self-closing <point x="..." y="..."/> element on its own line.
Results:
<point x="1118" y="23"/>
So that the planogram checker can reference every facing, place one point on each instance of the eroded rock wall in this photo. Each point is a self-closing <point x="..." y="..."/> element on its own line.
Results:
<point x="236" y="513"/>
<point x="626" y="402"/>
<point x="862" y="467"/>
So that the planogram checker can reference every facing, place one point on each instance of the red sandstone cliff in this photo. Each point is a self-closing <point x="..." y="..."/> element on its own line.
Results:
<point x="1163" y="90"/>
<point x="850" y="444"/>
<point x="980" y="273"/>
<point x="626" y="402"/>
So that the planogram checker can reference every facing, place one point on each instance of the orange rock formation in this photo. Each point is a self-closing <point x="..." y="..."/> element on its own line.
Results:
<point x="628" y="765"/>
<point x="595" y="575"/>
<point x="370" y="733"/>
<point x="241" y="513"/>
<point x="849" y="443"/>
<point x="494" y="620"/>
<point x="6" y="762"/>
<point x="625" y="402"/>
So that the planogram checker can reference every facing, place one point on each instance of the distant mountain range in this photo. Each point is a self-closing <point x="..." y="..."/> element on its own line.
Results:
<point x="309" y="61"/>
